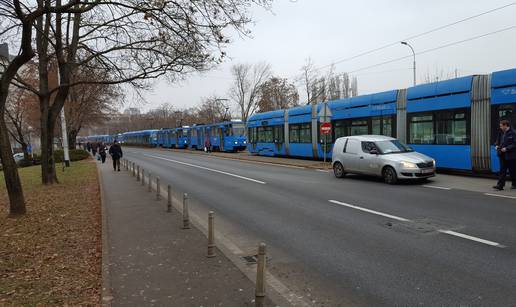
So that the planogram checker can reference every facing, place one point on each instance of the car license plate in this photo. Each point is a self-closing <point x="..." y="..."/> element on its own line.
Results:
<point x="427" y="171"/>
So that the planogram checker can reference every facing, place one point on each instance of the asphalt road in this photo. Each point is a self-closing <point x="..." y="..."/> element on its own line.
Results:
<point x="358" y="241"/>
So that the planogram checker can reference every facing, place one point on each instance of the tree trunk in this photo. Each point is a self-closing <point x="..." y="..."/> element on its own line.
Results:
<point x="48" y="166"/>
<point x="72" y="138"/>
<point x="12" y="178"/>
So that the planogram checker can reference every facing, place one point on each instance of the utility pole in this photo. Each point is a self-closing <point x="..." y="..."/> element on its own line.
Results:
<point x="63" y="128"/>
<point x="414" y="63"/>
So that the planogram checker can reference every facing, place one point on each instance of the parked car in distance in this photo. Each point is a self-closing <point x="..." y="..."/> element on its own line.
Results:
<point x="18" y="157"/>
<point x="380" y="156"/>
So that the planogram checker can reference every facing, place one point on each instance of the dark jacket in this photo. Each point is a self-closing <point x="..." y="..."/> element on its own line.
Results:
<point x="507" y="141"/>
<point x="116" y="151"/>
<point x="102" y="150"/>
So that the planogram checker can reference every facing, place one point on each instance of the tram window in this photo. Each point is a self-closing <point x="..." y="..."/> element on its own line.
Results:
<point x="500" y="112"/>
<point x="376" y="124"/>
<point x="238" y="129"/>
<point x="294" y="133"/>
<point x="421" y="129"/>
<point x="387" y="126"/>
<point x="278" y="134"/>
<point x="300" y="133"/>
<point x="359" y="127"/>
<point x="452" y="128"/>
<point x="339" y="127"/>
<point x="305" y="133"/>
<point x="265" y="134"/>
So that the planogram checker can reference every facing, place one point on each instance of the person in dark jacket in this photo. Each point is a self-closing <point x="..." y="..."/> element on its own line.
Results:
<point x="506" y="149"/>
<point x="207" y="144"/>
<point x="94" y="147"/>
<point x="102" y="152"/>
<point x="116" y="154"/>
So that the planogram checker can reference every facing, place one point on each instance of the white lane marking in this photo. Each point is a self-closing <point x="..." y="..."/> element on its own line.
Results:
<point x="498" y="195"/>
<point x="208" y="169"/>
<point x="323" y="170"/>
<point x="436" y="187"/>
<point x="465" y="236"/>
<point x="370" y="211"/>
<point x="394" y="217"/>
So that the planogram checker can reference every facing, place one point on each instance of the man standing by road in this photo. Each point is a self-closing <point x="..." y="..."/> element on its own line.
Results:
<point x="506" y="149"/>
<point x="116" y="154"/>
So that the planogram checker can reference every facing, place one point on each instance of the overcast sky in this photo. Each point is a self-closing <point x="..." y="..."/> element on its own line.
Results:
<point x="331" y="30"/>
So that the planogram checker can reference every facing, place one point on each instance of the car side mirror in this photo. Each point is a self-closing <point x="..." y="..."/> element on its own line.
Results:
<point x="373" y="151"/>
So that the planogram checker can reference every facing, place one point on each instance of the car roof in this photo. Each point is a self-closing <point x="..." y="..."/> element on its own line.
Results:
<point x="370" y="138"/>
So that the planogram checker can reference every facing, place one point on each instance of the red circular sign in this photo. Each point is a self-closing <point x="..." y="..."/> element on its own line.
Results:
<point x="326" y="128"/>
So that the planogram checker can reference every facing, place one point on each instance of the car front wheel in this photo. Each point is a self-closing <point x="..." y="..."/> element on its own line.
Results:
<point x="338" y="170"/>
<point x="389" y="175"/>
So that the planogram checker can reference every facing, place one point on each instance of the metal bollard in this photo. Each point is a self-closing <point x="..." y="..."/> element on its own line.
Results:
<point x="133" y="168"/>
<point x="150" y="183"/>
<point x="169" y="198"/>
<point x="158" y="189"/>
<point x="186" y="217"/>
<point x="211" y="235"/>
<point x="143" y="177"/>
<point x="260" y="277"/>
<point x="137" y="173"/>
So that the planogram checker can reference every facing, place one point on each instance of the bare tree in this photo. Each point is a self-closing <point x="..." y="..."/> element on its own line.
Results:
<point x="212" y="110"/>
<point x="277" y="93"/>
<point x="309" y="79"/>
<point x="126" y="41"/>
<point x="89" y="104"/>
<point x="246" y="87"/>
<point x="16" y="21"/>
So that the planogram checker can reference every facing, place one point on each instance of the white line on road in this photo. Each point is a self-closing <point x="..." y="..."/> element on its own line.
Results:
<point x="498" y="195"/>
<point x="369" y="211"/>
<point x="394" y="217"/>
<point x="464" y="236"/>
<point x="436" y="187"/>
<point x="208" y="169"/>
<point x="323" y="170"/>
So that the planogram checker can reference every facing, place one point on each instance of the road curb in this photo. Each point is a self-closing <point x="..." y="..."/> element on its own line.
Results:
<point x="106" y="295"/>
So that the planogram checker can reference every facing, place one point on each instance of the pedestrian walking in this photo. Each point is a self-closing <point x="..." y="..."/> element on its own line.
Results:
<point x="94" y="147"/>
<point x="102" y="152"/>
<point x="207" y="144"/>
<point x="506" y="150"/>
<point x="88" y="147"/>
<point x="116" y="154"/>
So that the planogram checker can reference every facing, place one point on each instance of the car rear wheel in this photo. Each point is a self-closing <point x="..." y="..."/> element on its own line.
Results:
<point x="389" y="175"/>
<point x="338" y="170"/>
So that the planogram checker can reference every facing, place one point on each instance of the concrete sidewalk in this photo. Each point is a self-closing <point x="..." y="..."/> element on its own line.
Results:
<point x="151" y="261"/>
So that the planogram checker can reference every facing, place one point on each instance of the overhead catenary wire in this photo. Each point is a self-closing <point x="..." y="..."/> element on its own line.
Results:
<point x="417" y="35"/>
<point x="434" y="49"/>
<point x="423" y="52"/>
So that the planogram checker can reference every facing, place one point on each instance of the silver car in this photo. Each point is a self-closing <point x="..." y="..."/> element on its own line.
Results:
<point x="381" y="156"/>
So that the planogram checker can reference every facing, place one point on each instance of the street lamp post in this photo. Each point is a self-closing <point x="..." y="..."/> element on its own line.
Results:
<point x="414" y="54"/>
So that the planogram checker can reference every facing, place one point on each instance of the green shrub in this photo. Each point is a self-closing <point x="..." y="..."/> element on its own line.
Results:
<point x="75" y="155"/>
<point x="26" y="163"/>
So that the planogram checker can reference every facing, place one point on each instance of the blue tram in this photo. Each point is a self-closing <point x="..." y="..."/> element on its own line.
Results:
<point x="141" y="138"/>
<point x="453" y="121"/>
<point x="227" y="136"/>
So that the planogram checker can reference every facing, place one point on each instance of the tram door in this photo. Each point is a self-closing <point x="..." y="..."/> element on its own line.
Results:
<point x="221" y="134"/>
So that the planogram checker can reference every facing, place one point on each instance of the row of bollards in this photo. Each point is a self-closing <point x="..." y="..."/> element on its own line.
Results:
<point x="261" y="256"/>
